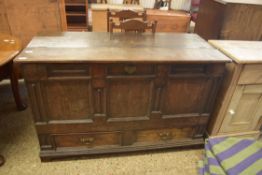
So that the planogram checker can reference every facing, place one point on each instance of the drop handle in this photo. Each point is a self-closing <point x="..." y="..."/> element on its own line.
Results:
<point x="87" y="140"/>
<point x="130" y="69"/>
<point x="231" y="112"/>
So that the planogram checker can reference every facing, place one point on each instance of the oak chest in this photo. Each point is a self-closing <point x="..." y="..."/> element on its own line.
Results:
<point x="94" y="93"/>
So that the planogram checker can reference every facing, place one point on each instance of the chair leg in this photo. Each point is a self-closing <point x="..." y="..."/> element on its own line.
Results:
<point x="14" y="84"/>
<point x="2" y="160"/>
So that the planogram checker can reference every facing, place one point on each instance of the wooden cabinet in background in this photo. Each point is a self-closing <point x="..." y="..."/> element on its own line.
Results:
<point x="169" y="21"/>
<point x="230" y="19"/>
<point x="74" y="15"/>
<point x="239" y="111"/>
<point x="103" y="94"/>
<point x="26" y="18"/>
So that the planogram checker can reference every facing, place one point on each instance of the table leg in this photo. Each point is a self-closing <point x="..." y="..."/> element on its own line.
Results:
<point x="14" y="84"/>
<point x="2" y="160"/>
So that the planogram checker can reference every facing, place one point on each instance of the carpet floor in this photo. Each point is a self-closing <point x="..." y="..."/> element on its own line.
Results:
<point x="19" y="146"/>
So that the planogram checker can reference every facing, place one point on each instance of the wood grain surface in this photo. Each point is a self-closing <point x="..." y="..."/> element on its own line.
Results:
<point x="241" y="52"/>
<point x="120" y="47"/>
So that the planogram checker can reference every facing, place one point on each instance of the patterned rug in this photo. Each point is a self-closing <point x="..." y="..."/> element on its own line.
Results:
<point x="232" y="156"/>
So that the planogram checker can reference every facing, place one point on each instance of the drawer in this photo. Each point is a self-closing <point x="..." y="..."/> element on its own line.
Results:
<point x="130" y="69"/>
<point x="188" y="69"/>
<point x="68" y="70"/>
<point x="164" y="135"/>
<point x="88" y="140"/>
<point x="251" y="74"/>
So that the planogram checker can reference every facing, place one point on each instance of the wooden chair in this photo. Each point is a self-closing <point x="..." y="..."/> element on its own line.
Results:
<point x="123" y="15"/>
<point x="131" y="2"/>
<point x="133" y="25"/>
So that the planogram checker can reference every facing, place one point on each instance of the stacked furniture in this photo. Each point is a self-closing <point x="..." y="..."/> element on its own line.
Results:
<point x="239" y="109"/>
<point x="230" y="19"/>
<point x="106" y="93"/>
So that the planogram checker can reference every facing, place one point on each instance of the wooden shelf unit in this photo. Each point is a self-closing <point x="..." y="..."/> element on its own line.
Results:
<point x="74" y="15"/>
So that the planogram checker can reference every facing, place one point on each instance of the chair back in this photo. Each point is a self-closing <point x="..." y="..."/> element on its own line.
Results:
<point x="123" y="15"/>
<point x="134" y="25"/>
<point x="131" y="2"/>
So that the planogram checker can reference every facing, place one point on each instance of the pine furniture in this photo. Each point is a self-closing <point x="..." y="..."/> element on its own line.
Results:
<point x="106" y="93"/>
<point x="239" y="108"/>
<point x="169" y="21"/>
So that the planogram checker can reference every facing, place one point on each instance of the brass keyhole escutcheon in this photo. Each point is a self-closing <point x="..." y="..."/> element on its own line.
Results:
<point x="87" y="140"/>
<point x="165" y="136"/>
<point x="130" y="69"/>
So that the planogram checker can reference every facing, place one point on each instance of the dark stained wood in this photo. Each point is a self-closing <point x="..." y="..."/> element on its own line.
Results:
<point x="224" y="19"/>
<point x="133" y="25"/>
<point x="210" y="19"/>
<point x="118" y="106"/>
<point x="107" y="48"/>
<point x="2" y="160"/>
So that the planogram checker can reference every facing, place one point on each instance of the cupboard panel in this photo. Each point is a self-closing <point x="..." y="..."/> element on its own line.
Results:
<point x="244" y="110"/>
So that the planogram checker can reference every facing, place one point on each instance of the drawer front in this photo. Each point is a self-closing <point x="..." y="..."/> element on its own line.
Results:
<point x="164" y="135"/>
<point x="130" y="69"/>
<point x="88" y="140"/>
<point x="251" y="74"/>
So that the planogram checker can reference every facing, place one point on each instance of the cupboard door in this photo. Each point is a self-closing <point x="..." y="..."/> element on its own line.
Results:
<point x="189" y="92"/>
<point x="244" y="110"/>
<point x="60" y="93"/>
<point x="129" y="92"/>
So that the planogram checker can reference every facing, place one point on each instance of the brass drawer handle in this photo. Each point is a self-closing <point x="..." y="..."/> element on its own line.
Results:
<point x="87" y="140"/>
<point x="166" y="136"/>
<point x="130" y="69"/>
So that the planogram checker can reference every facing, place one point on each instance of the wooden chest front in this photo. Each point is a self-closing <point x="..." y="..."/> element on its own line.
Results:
<point x="120" y="107"/>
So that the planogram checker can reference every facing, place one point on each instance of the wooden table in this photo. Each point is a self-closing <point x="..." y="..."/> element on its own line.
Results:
<point x="105" y="93"/>
<point x="9" y="48"/>
<point x="169" y="21"/>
